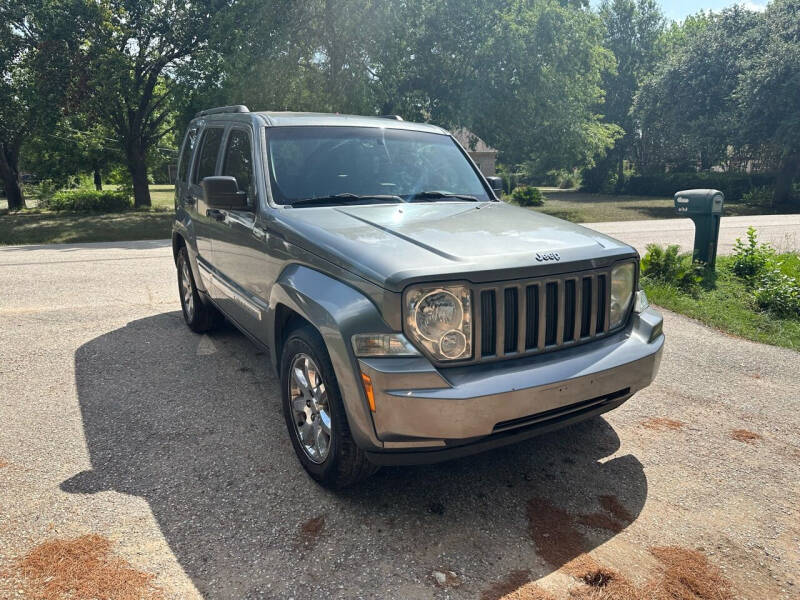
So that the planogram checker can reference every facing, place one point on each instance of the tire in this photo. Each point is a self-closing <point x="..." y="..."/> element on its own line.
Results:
<point x="339" y="462"/>
<point x="200" y="315"/>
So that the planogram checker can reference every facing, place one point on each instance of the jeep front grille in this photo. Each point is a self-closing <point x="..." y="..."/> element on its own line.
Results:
<point x="540" y="315"/>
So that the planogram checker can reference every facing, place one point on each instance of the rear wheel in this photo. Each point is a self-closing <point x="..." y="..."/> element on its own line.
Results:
<point x="314" y="413"/>
<point x="199" y="315"/>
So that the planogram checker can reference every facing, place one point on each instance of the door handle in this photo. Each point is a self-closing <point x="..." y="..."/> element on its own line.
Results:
<point x="215" y="214"/>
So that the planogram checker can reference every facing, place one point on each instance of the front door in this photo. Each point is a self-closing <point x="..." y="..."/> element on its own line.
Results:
<point x="238" y="251"/>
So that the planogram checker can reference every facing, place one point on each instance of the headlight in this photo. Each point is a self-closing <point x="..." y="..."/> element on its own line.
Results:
<point x="622" y="277"/>
<point x="440" y="320"/>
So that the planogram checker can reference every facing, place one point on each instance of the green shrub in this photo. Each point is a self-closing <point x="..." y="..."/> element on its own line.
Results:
<point x="761" y="196"/>
<point x="778" y="293"/>
<point x="89" y="200"/>
<point x="733" y="185"/>
<point x="667" y="266"/>
<point x="751" y="259"/>
<point x="526" y="195"/>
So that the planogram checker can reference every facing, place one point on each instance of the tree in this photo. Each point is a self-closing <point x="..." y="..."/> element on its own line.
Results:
<point x="136" y="47"/>
<point x="686" y="113"/>
<point x="38" y="53"/>
<point x="633" y="33"/>
<point x="768" y="92"/>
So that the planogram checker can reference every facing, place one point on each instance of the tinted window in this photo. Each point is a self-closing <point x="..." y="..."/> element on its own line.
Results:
<point x="209" y="150"/>
<point x="238" y="160"/>
<point x="308" y="162"/>
<point x="186" y="154"/>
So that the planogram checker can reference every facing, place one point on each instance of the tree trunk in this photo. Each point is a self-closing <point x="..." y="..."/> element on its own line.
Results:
<point x="790" y="167"/>
<point x="98" y="180"/>
<point x="137" y="166"/>
<point x="9" y="173"/>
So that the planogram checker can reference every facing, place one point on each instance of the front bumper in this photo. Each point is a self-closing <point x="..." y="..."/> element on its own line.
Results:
<point x="424" y="414"/>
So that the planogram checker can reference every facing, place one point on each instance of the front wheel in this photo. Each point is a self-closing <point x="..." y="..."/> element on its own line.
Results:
<point x="314" y="413"/>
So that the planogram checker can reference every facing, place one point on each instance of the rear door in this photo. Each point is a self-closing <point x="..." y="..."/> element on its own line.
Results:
<point x="204" y="165"/>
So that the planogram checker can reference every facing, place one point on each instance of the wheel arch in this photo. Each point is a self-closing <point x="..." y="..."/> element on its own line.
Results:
<point x="336" y="311"/>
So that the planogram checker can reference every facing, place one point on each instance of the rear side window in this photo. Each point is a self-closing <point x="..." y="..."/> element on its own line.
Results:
<point x="238" y="160"/>
<point x="209" y="149"/>
<point x="186" y="154"/>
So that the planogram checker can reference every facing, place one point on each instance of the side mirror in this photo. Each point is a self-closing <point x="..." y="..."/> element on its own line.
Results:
<point x="496" y="183"/>
<point x="223" y="192"/>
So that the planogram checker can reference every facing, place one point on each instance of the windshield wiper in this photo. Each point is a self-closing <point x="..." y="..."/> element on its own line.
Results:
<point x="434" y="195"/>
<point x="347" y="199"/>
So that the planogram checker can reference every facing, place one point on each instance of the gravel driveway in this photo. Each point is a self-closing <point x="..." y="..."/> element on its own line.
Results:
<point x="116" y="420"/>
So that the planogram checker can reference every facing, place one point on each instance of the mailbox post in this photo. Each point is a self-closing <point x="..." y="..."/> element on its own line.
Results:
<point x="704" y="207"/>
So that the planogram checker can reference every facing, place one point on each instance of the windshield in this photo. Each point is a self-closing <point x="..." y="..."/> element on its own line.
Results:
<point x="319" y="162"/>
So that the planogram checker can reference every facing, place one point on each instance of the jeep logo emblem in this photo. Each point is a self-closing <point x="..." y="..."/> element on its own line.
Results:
<point x="547" y="256"/>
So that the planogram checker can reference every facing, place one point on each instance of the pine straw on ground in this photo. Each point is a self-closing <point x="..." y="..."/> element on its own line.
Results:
<point x="743" y="435"/>
<point x="82" y="567"/>
<point x="662" y="424"/>
<point x="684" y="575"/>
<point x="516" y="585"/>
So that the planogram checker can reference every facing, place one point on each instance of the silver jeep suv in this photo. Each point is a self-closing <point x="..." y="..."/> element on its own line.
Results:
<point x="412" y="317"/>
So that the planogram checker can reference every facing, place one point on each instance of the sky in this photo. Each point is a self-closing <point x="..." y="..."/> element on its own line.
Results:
<point x="677" y="10"/>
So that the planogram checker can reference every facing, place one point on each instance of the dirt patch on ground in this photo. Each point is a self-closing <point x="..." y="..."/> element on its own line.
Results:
<point x="612" y="505"/>
<point x="3" y="463"/>
<point x="662" y="424"/>
<point x="743" y="435"/>
<point x="685" y="575"/>
<point x="553" y="531"/>
<point x="601" y="521"/>
<point x="311" y="530"/>
<point x="83" y="567"/>
<point x="516" y="586"/>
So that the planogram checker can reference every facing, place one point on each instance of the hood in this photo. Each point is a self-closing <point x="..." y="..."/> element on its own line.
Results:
<point x="393" y="245"/>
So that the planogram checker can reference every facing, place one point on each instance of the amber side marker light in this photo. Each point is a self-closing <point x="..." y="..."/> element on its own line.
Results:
<point x="367" y="381"/>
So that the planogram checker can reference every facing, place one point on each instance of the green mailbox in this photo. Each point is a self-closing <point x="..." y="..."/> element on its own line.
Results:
<point x="704" y="207"/>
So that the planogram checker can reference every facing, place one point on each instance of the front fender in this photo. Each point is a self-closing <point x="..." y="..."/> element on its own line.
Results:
<point x="337" y="311"/>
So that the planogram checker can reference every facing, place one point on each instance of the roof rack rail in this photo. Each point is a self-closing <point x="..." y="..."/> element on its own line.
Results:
<point x="392" y="117"/>
<point x="236" y="108"/>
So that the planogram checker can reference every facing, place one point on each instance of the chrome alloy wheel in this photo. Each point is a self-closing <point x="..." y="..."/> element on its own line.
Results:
<point x="310" y="409"/>
<point x="187" y="294"/>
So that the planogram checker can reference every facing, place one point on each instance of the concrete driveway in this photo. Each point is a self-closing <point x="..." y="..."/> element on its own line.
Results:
<point x="116" y="420"/>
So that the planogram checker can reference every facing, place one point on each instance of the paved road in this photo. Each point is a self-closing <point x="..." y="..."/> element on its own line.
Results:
<point x="782" y="231"/>
<point x="116" y="420"/>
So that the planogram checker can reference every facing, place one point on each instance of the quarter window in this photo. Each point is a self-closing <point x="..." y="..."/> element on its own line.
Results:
<point x="209" y="149"/>
<point x="186" y="154"/>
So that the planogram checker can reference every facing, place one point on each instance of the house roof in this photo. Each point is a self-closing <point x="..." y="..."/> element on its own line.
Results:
<point x="471" y="142"/>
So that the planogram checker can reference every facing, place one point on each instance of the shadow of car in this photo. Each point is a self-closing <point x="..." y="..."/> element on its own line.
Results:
<point x="192" y="424"/>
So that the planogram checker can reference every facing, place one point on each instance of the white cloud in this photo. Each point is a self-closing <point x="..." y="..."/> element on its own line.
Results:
<point x="754" y="6"/>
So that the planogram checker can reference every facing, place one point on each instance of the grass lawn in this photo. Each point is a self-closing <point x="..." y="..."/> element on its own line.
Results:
<point x="34" y="226"/>
<point x="581" y="207"/>
<point x="728" y="306"/>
